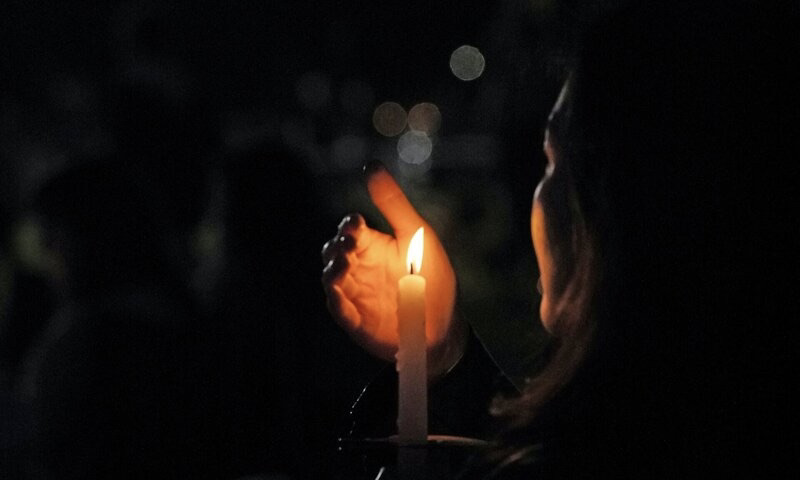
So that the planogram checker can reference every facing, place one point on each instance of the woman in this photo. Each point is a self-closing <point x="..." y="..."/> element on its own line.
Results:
<point x="648" y="225"/>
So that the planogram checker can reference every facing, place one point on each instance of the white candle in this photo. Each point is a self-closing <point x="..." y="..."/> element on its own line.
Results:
<point x="412" y="402"/>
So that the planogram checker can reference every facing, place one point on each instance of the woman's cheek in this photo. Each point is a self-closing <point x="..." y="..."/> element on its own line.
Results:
<point x="544" y="258"/>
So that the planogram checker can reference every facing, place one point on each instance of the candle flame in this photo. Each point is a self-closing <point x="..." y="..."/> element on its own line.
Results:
<point x="414" y="257"/>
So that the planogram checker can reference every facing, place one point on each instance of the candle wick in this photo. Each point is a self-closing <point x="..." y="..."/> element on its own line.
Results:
<point x="412" y="268"/>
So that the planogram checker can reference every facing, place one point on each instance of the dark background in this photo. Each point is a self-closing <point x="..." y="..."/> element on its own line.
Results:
<point x="181" y="89"/>
<point x="309" y="75"/>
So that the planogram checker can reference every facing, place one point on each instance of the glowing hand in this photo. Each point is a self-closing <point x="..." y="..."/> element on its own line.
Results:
<point x="362" y="267"/>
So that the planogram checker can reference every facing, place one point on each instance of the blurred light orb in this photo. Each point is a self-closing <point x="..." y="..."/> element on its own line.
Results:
<point x="467" y="63"/>
<point x="424" y="117"/>
<point x="389" y="119"/>
<point x="314" y="90"/>
<point x="414" y="147"/>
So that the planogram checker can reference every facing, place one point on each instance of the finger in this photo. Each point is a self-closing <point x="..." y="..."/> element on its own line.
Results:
<point x="348" y="284"/>
<point x="391" y="201"/>
<point x="334" y="269"/>
<point x="343" y="311"/>
<point x="351" y="222"/>
<point x="339" y="245"/>
<point x="355" y="226"/>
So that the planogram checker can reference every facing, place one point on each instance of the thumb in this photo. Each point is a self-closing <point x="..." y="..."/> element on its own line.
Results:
<point x="391" y="201"/>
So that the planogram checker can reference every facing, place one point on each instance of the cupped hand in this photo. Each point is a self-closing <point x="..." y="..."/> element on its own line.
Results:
<point x="363" y="266"/>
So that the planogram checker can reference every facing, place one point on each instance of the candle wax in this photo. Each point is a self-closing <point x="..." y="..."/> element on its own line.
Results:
<point x="412" y="408"/>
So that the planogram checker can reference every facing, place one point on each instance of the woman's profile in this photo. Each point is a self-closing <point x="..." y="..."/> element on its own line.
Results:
<point x="656" y="222"/>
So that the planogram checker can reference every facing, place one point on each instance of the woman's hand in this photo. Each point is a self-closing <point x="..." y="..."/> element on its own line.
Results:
<point x="362" y="267"/>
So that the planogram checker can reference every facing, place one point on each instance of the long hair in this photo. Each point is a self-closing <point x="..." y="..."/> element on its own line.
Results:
<point x="664" y="117"/>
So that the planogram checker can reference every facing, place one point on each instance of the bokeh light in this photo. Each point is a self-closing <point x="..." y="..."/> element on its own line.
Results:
<point x="414" y="147"/>
<point x="424" y="117"/>
<point x="389" y="119"/>
<point x="467" y="63"/>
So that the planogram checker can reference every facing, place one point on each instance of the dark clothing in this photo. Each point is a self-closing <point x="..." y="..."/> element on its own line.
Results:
<point x="28" y="305"/>
<point x="458" y="405"/>
<point x="117" y="392"/>
<point x="257" y="393"/>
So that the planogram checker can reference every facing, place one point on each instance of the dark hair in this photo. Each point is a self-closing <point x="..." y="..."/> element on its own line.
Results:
<point x="665" y="116"/>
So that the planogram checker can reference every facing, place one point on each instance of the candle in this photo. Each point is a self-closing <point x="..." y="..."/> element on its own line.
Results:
<point x="412" y="402"/>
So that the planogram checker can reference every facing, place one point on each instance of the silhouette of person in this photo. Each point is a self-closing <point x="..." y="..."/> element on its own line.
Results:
<point x="287" y="374"/>
<point x="117" y="384"/>
<point x="27" y="302"/>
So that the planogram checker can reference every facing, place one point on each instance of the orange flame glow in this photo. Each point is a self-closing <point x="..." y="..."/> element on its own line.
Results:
<point x="414" y="257"/>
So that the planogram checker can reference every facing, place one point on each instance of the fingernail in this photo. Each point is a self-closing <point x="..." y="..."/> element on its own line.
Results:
<point x="372" y="167"/>
<point x="335" y="267"/>
<point x="347" y="242"/>
<point x="353" y="219"/>
<point x="328" y="267"/>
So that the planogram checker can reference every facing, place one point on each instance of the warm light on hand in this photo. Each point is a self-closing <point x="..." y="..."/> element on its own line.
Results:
<point x="362" y="270"/>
